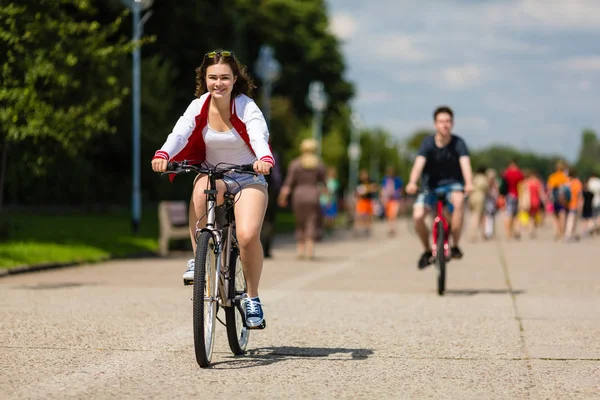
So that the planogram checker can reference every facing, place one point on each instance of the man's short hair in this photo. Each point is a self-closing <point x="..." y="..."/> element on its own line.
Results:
<point x="443" y="109"/>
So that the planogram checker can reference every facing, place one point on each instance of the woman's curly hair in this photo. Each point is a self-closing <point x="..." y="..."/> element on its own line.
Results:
<point x="243" y="84"/>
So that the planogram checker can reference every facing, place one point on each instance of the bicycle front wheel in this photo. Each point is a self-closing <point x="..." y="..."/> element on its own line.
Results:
<point x="441" y="259"/>
<point x="205" y="298"/>
<point x="237" y="332"/>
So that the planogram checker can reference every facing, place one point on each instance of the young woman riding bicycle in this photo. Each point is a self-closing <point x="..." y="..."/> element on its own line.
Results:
<point x="224" y="125"/>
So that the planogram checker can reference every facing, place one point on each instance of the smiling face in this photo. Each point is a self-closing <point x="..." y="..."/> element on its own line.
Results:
<point x="220" y="80"/>
<point x="443" y="124"/>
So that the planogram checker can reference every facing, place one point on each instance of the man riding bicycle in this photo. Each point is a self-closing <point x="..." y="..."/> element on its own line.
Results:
<point x="444" y="165"/>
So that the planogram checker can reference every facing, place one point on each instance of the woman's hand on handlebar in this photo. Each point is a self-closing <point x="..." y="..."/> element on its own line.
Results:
<point x="159" y="165"/>
<point x="261" y="167"/>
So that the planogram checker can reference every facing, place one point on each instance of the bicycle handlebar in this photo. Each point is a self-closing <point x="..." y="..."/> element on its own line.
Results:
<point x="174" y="167"/>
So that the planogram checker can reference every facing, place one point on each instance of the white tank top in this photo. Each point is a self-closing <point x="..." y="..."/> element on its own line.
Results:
<point x="226" y="147"/>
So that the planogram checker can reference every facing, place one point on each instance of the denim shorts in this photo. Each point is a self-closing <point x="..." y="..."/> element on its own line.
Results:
<point x="511" y="206"/>
<point x="236" y="181"/>
<point x="428" y="198"/>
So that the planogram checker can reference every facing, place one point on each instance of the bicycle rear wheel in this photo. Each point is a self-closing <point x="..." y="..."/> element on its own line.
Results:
<point x="237" y="332"/>
<point x="441" y="259"/>
<point x="205" y="298"/>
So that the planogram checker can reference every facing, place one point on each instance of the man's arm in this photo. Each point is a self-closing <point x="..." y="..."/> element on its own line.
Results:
<point x="417" y="169"/>
<point x="415" y="174"/>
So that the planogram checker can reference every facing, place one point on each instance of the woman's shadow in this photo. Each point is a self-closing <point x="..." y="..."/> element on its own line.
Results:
<point x="270" y="355"/>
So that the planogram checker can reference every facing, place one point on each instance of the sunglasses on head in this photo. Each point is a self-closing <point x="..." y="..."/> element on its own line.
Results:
<point x="224" y="53"/>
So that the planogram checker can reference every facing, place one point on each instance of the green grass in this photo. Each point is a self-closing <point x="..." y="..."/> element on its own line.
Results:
<point x="40" y="239"/>
<point x="77" y="237"/>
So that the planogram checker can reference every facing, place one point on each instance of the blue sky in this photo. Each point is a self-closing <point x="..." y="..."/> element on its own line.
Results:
<point x="523" y="73"/>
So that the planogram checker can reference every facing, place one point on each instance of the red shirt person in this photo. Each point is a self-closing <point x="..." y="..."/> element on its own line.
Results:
<point x="512" y="176"/>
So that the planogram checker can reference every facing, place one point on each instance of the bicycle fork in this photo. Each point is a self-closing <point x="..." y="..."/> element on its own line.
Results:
<point x="445" y="226"/>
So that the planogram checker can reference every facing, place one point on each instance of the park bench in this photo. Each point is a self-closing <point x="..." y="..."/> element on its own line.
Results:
<point x="173" y="220"/>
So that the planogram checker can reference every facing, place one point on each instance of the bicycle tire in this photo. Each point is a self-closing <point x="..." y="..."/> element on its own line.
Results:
<point x="205" y="312"/>
<point x="441" y="259"/>
<point x="237" y="331"/>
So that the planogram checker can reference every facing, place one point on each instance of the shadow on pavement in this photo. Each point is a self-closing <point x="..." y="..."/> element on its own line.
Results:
<point x="59" y="285"/>
<point x="270" y="355"/>
<point x="473" y="292"/>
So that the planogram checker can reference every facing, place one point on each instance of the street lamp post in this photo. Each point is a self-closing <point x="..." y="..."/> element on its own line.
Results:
<point x="136" y="7"/>
<point x="317" y="100"/>
<point x="354" y="151"/>
<point x="268" y="69"/>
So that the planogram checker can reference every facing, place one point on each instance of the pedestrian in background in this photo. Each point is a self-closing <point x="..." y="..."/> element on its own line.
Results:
<point x="491" y="203"/>
<point x="587" y="211"/>
<point x="477" y="202"/>
<point x="512" y="176"/>
<point x="573" y="205"/>
<point x="365" y="194"/>
<point x="304" y="183"/>
<point x="274" y="180"/>
<point x="390" y="196"/>
<point x="557" y="180"/>
<point x="594" y="187"/>
<point x="329" y="200"/>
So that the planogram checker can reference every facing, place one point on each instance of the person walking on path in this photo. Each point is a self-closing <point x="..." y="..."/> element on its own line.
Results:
<point x="594" y="187"/>
<point x="573" y="206"/>
<point x="390" y="196"/>
<point x="365" y="195"/>
<point x="491" y="203"/>
<point x="587" y="211"/>
<point x="512" y="176"/>
<point x="476" y="201"/>
<point x="329" y="200"/>
<point x="556" y="181"/>
<point x="304" y="183"/>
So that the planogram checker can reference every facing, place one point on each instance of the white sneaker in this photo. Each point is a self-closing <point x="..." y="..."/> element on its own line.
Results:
<point x="189" y="274"/>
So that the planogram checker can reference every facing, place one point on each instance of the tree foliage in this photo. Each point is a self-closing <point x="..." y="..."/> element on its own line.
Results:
<point x="60" y="76"/>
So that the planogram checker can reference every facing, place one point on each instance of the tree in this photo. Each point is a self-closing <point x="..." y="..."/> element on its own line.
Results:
<point x="589" y="154"/>
<point x="59" y="81"/>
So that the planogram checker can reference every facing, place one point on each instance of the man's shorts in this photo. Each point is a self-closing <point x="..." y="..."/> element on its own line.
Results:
<point x="428" y="198"/>
<point x="236" y="181"/>
<point x="558" y="207"/>
<point x="364" y="207"/>
<point x="512" y="205"/>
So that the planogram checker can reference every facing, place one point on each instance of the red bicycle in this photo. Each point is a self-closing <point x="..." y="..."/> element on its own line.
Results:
<point x="440" y="248"/>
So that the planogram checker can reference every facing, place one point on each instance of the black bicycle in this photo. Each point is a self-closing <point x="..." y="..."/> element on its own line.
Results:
<point x="219" y="279"/>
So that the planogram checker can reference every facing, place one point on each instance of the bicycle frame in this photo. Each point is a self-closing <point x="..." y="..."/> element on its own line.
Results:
<point x="440" y="217"/>
<point x="223" y="236"/>
<point x="221" y="229"/>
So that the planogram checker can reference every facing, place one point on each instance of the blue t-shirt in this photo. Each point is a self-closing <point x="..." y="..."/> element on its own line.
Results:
<point x="391" y="187"/>
<point x="442" y="166"/>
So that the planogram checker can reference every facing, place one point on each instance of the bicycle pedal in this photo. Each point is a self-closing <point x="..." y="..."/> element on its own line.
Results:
<point x="188" y="282"/>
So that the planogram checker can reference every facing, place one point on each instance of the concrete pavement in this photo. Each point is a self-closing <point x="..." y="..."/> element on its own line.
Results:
<point x="520" y="320"/>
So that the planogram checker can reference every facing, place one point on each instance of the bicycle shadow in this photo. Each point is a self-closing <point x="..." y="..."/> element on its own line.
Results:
<point x="269" y="355"/>
<point x="473" y="292"/>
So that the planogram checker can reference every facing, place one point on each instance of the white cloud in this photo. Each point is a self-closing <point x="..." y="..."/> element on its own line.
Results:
<point x="582" y="64"/>
<point x="395" y="47"/>
<point x="403" y="128"/>
<point x="527" y="15"/>
<point x="472" y="124"/>
<point x="344" y="26"/>
<point x="562" y="14"/>
<point x="371" y="97"/>
<point x="462" y="76"/>
<point x="569" y="86"/>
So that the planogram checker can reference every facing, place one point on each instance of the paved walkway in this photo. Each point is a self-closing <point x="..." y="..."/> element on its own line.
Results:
<point x="520" y="320"/>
